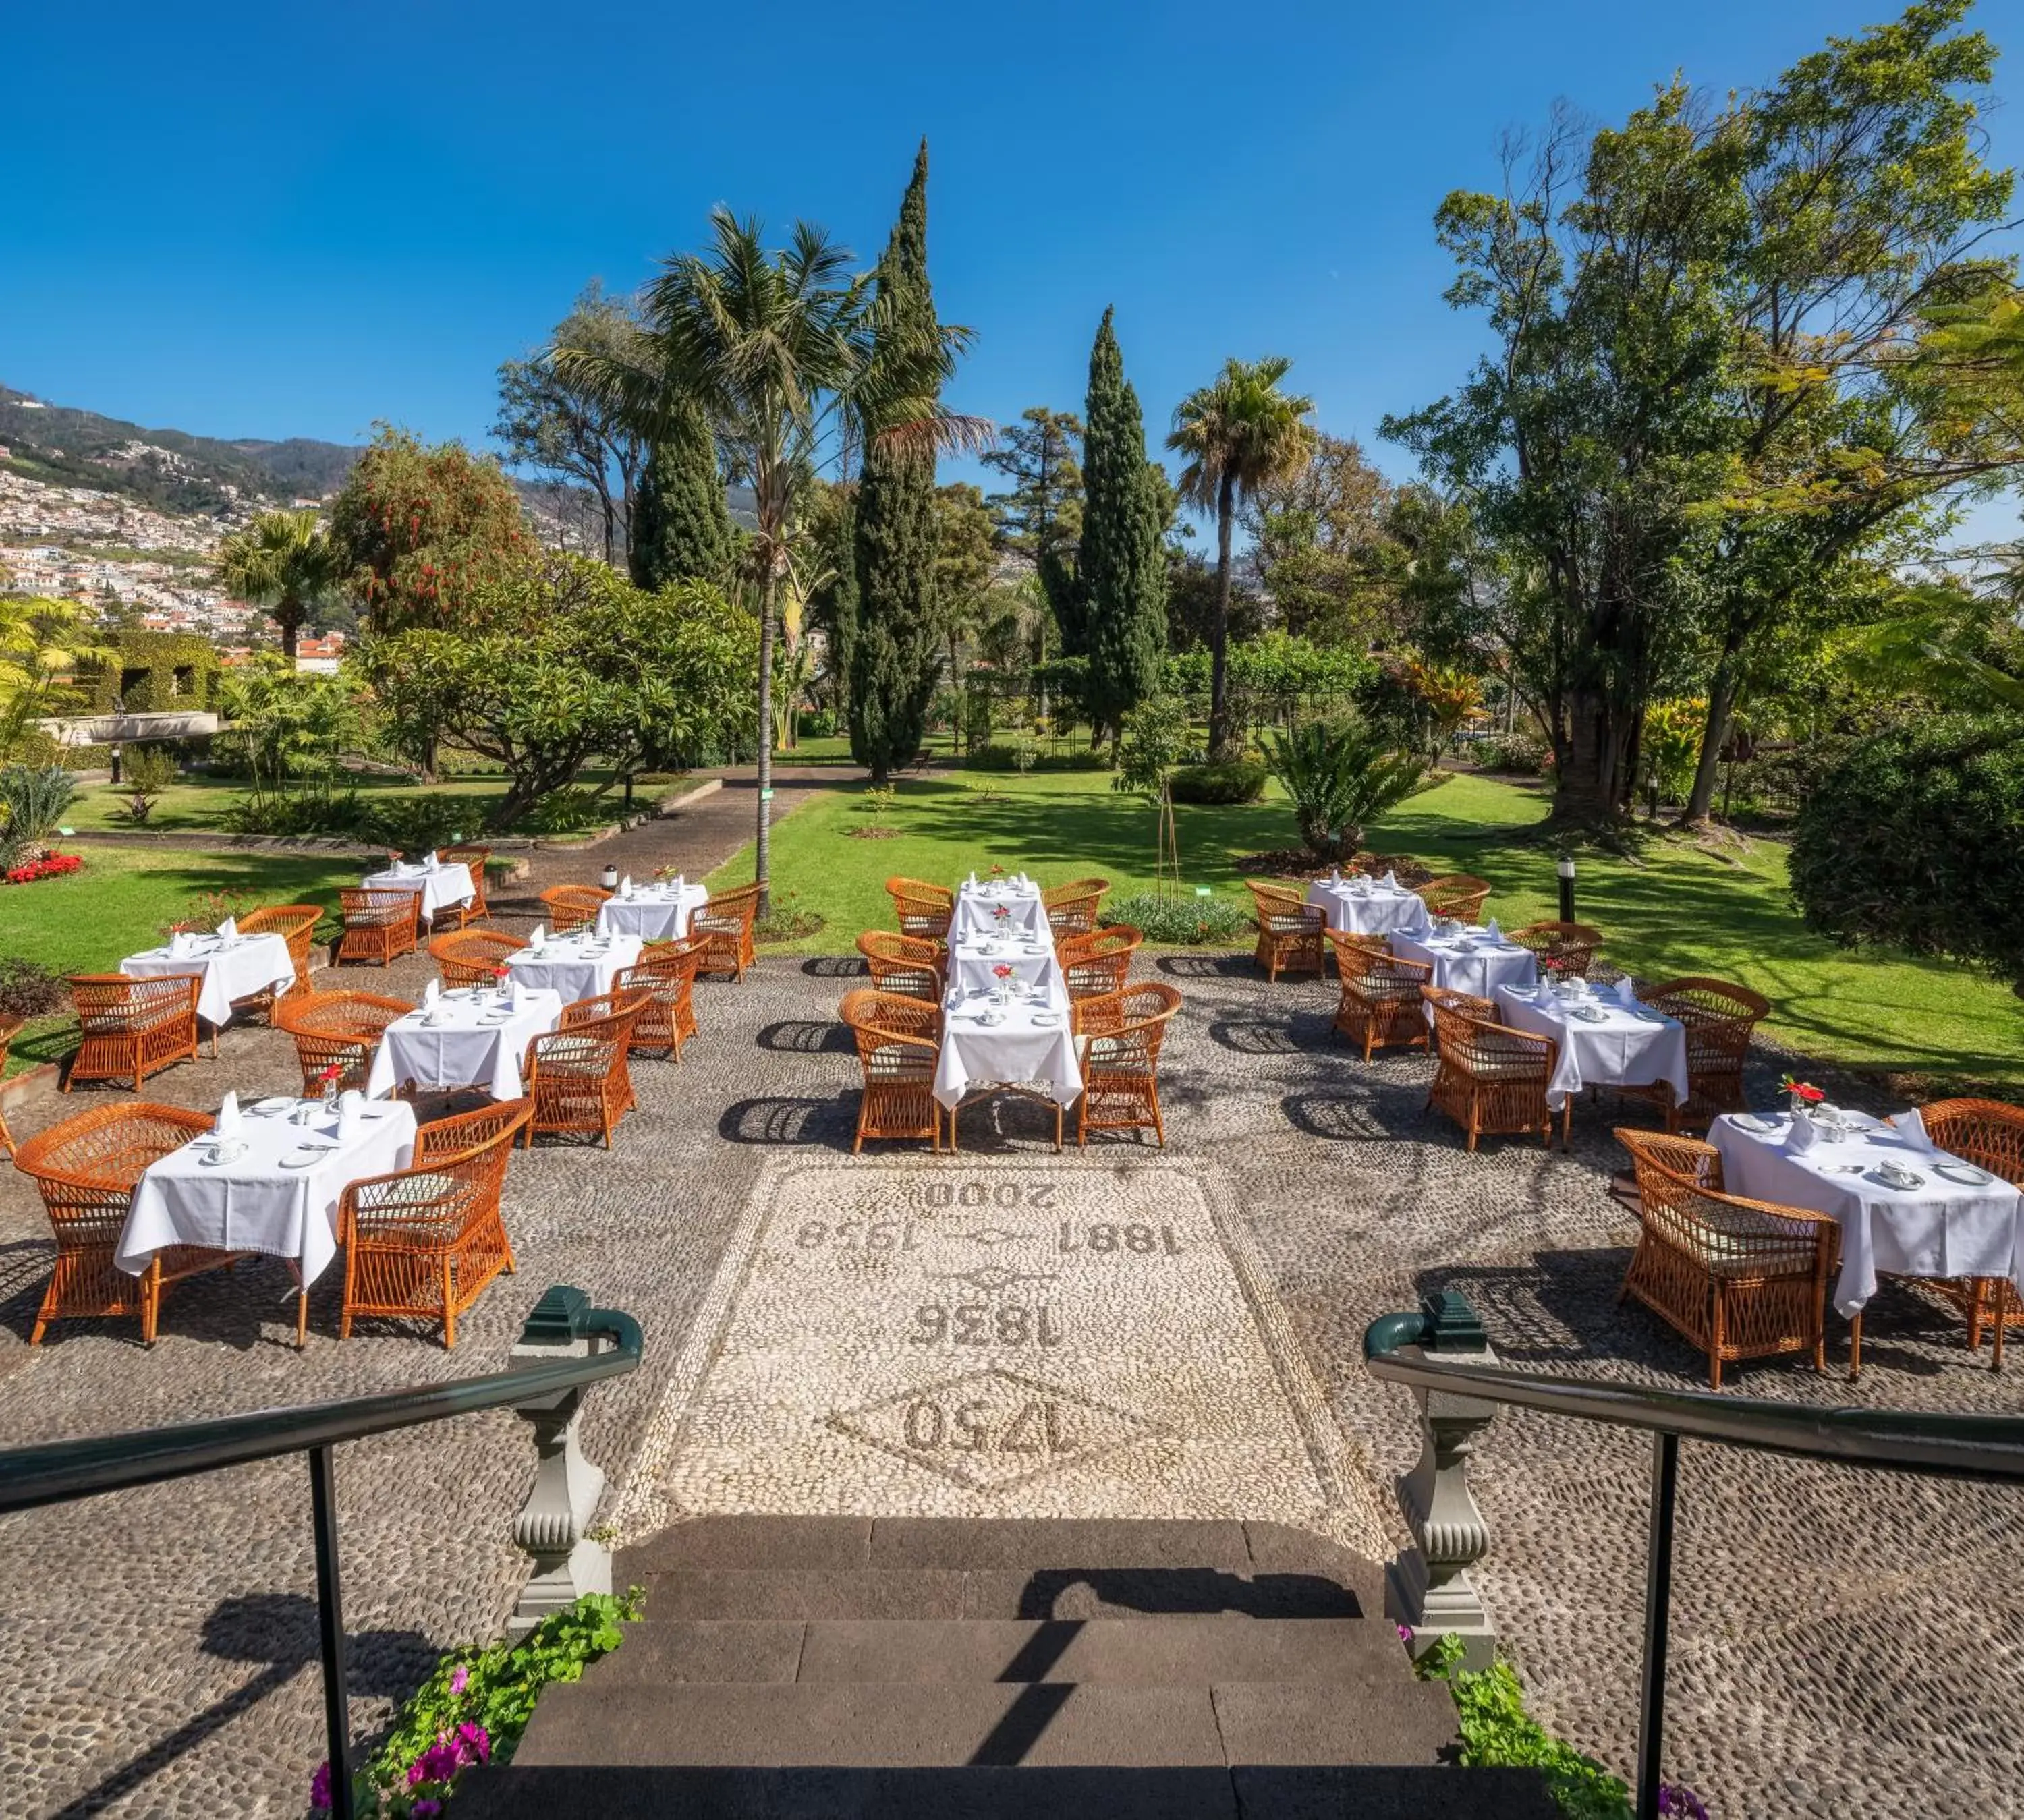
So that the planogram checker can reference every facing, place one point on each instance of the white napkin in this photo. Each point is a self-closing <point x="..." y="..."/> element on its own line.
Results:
<point x="179" y="945"/>
<point x="348" y="1105"/>
<point x="1335" y="875"/>
<point x="973" y="878"/>
<point x="229" y="929"/>
<point x="227" y="1116"/>
<point x="1491" y="933"/>
<point x="516" y="995"/>
<point x="625" y="885"/>
<point x="1910" y="1126"/>
<point x="429" y="863"/>
<point x="536" y="937"/>
<point x="431" y="993"/>
<point x="1391" y="881"/>
<point x="1626" y="993"/>
<point x="1805" y="1134"/>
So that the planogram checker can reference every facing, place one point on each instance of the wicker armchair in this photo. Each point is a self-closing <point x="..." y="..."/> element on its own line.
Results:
<point x="474" y="909"/>
<point x="1119" y="1035"/>
<point x="1380" y="1003"/>
<point x="903" y="963"/>
<point x="1719" y="1018"/>
<point x="577" y="1076"/>
<point x="727" y="919"/>
<point x="1739" y="1279"/>
<point x="467" y="957"/>
<point x="924" y="911"/>
<point x="1099" y="961"/>
<point x="1071" y="909"/>
<point x="132" y="1028"/>
<point x="426" y="1240"/>
<point x="1563" y="950"/>
<point x="338" y="1030"/>
<point x="296" y="925"/>
<point x="665" y="974"/>
<point x="1990" y="1135"/>
<point x="10" y="1028"/>
<point x="1488" y="1077"/>
<point x="1457" y="896"/>
<point x="379" y="925"/>
<point x="1289" y="931"/>
<point x="899" y="1038"/>
<point x="572" y="907"/>
<point x="86" y="1168"/>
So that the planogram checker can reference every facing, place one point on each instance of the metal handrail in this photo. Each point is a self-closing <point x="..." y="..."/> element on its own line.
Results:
<point x="1404" y="1349"/>
<point x="54" y="1472"/>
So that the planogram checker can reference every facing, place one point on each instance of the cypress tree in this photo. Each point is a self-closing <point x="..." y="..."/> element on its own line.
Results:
<point x="681" y="528"/>
<point x="895" y="655"/>
<point x="1123" y="573"/>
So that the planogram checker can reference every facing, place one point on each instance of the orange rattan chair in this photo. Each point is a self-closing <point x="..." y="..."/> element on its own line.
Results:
<point x="903" y="963"/>
<point x="1989" y="1135"/>
<point x="10" y="1028"/>
<point x="1739" y="1279"/>
<point x="1490" y="1078"/>
<point x="474" y="909"/>
<point x="924" y="910"/>
<point x="1380" y="1003"/>
<point x="1289" y="931"/>
<point x="132" y="1028"/>
<point x="574" y="906"/>
<point x="1457" y="896"/>
<point x="467" y="957"/>
<point x="577" y="1076"/>
<point x="425" y="1241"/>
<point x="665" y="973"/>
<point x="86" y="1168"/>
<point x="727" y="919"/>
<point x="296" y="925"/>
<point x="1119" y="1035"/>
<point x="379" y="925"/>
<point x="1071" y="909"/>
<point x="899" y="1038"/>
<point x="1719" y="1018"/>
<point x="338" y="1030"/>
<point x="1563" y="950"/>
<point x="1098" y="961"/>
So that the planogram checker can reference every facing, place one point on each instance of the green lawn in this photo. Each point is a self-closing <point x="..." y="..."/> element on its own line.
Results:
<point x="1681" y="911"/>
<point x="200" y="803"/>
<point x="84" y="923"/>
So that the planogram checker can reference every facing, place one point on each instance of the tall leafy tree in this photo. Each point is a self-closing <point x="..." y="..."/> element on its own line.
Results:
<point x="1320" y="547"/>
<point x="895" y="654"/>
<point x="965" y="560"/>
<point x="1040" y="514"/>
<point x="681" y="527"/>
<point x="1237" y="434"/>
<point x="284" y="562"/>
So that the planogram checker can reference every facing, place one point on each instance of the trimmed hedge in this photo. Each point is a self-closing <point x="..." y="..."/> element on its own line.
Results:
<point x="1233" y="781"/>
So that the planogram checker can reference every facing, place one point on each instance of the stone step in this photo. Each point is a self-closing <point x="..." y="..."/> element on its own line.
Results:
<point x="1145" y="1652"/>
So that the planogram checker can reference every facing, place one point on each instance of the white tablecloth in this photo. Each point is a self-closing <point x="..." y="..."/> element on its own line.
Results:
<point x="658" y="913"/>
<point x="1469" y="963"/>
<point x="1373" y="911"/>
<point x="234" y="968"/>
<point x="254" y="1203"/>
<point x="1031" y="957"/>
<point x="463" y="1049"/>
<point x="1628" y="1048"/>
<point x="581" y="964"/>
<point x="1939" y="1228"/>
<point x="1018" y="1051"/>
<point x="978" y="906"/>
<point x="446" y="884"/>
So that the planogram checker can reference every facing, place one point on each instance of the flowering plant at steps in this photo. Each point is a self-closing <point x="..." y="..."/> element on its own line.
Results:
<point x="998" y="872"/>
<point x="1804" y="1090"/>
<point x="1678" y="1802"/>
<point x="49" y="866"/>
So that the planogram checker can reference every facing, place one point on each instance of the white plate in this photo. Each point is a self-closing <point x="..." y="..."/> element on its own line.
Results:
<point x="1749" y="1122"/>
<point x="1046" y="1019"/>
<point x="1913" y="1180"/>
<point x="497" y="1017"/>
<point x="1963" y="1172"/>
<point x="305" y="1159"/>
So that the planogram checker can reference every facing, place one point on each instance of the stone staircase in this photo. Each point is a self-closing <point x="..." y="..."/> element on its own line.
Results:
<point x="834" y="1666"/>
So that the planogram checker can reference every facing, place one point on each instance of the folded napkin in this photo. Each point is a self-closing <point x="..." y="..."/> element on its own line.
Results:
<point x="1491" y="933"/>
<point x="1335" y="875"/>
<point x="625" y="885"/>
<point x="227" y="1116"/>
<point x="1805" y="1133"/>
<point x="1910" y="1126"/>
<point x="1626" y="993"/>
<point x="1391" y="881"/>
<point x="537" y="936"/>
<point x="229" y="929"/>
<point x="431" y="992"/>
<point x="516" y="995"/>
<point x="348" y="1106"/>
<point x="973" y="878"/>
<point x="179" y="945"/>
<point x="429" y="863"/>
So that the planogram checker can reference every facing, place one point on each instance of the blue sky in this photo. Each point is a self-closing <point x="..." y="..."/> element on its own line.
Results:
<point x="269" y="221"/>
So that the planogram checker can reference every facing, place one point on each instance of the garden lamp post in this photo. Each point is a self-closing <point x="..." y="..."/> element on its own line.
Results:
<point x="1567" y="869"/>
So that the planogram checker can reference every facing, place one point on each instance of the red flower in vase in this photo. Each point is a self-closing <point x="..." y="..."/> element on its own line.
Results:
<point x="1001" y="971"/>
<point x="1804" y="1090"/>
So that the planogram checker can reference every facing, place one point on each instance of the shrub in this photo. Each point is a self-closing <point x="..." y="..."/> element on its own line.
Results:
<point x="1176" y="922"/>
<point x="1523" y="754"/>
<point x="27" y="991"/>
<point x="1232" y="780"/>
<point x="414" y="824"/>
<point x="32" y="801"/>
<point x="1341" y="775"/>
<point x="1913" y="840"/>
<point x="148" y="770"/>
<point x="567" y="812"/>
<point x="1020" y="756"/>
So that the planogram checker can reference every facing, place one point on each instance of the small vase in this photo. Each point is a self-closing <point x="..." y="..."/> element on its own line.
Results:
<point x="1796" y="1103"/>
<point x="330" y="1095"/>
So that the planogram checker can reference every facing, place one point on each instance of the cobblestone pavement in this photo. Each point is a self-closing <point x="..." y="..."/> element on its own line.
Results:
<point x="1844" y="1644"/>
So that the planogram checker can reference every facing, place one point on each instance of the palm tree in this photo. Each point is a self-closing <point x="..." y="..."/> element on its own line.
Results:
<point x="281" y="561"/>
<point x="42" y="644"/>
<point x="1238" y="434"/>
<point x="792" y="358"/>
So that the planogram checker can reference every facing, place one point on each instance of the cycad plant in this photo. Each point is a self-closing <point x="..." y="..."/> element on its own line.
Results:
<point x="32" y="801"/>
<point x="1341" y="775"/>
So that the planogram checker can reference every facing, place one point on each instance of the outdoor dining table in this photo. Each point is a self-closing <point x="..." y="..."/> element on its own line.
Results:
<point x="474" y="1036"/>
<point x="659" y="912"/>
<point x="1956" y="1220"/>
<point x="1024" y="1043"/>
<point x="1603" y="1042"/>
<point x="1002" y="906"/>
<point x="973" y="959"/>
<point x="278" y="1196"/>
<point x="1363" y="907"/>
<point x="438" y="887"/>
<point x="1467" y="961"/>
<point x="232" y="967"/>
<point x="581" y="964"/>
